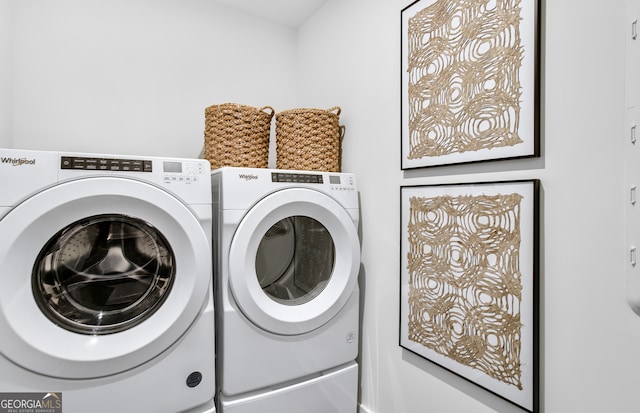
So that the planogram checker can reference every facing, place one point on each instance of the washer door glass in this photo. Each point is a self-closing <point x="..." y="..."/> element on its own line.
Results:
<point x="295" y="260"/>
<point x="103" y="274"/>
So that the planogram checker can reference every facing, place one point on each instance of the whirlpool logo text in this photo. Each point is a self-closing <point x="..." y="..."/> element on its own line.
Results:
<point x="248" y="177"/>
<point x="17" y="161"/>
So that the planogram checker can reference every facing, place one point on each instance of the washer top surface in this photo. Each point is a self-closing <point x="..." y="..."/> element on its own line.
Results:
<point x="242" y="187"/>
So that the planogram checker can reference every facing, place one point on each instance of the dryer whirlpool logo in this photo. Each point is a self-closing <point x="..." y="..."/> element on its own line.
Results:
<point x="18" y="161"/>
<point x="31" y="402"/>
<point x="248" y="177"/>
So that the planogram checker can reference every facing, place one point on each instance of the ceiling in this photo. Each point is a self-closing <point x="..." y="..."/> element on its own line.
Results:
<point x="291" y="13"/>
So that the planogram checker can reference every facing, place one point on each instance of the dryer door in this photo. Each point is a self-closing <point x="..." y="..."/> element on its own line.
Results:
<point x="99" y="275"/>
<point x="294" y="261"/>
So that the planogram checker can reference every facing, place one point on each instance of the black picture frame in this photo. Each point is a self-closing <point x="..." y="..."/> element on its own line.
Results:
<point x="469" y="82"/>
<point x="469" y="283"/>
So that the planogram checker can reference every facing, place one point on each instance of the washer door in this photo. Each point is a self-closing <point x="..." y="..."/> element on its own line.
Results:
<point x="99" y="275"/>
<point x="294" y="261"/>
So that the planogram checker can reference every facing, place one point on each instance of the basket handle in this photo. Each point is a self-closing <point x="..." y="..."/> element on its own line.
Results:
<point x="335" y="108"/>
<point x="270" y="108"/>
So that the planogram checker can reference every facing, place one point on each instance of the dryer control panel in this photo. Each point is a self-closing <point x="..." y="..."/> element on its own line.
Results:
<point x="244" y="185"/>
<point x="301" y="178"/>
<point x="336" y="182"/>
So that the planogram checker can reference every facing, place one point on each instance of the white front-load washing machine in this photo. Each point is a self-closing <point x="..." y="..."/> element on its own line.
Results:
<point x="286" y="270"/>
<point x="106" y="301"/>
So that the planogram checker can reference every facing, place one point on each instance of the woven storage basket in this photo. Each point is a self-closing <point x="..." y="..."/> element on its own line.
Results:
<point x="237" y="135"/>
<point x="309" y="139"/>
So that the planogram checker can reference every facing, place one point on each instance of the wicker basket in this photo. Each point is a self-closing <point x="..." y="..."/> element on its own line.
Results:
<point x="309" y="139"/>
<point x="237" y="135"/>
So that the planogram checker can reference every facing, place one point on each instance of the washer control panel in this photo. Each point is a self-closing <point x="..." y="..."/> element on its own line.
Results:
<point x="168" y="171"/>
<point x="105" y="164"/>
<point x="183" y="171"/>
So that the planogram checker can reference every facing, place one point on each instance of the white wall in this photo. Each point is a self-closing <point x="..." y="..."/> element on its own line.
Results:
<point x="589" y="336"/>
<point x="134" y="76"/>
<point x="5" y="78"/>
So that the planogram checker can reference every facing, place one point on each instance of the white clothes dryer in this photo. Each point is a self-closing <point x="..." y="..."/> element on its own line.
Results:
<point x="106" y="297"/>
<point x="285" y="272"/>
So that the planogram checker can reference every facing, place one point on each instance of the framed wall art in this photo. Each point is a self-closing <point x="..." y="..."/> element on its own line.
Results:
<point x="469" y="283"/>
<point x="470" y="87"/>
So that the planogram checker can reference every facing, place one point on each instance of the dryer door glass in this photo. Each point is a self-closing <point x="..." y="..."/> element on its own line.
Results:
<point x="103" y="274"/>
<point x="295" y="260"/>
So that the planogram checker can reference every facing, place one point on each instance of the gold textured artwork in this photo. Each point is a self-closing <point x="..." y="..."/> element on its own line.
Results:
<point x="464" y="90"/>
<point x="465" y="285"/>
